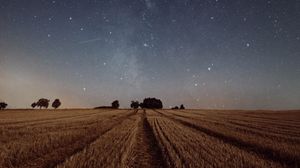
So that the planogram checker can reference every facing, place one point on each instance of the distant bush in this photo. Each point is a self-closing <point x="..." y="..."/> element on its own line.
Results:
<point x="152" y="103"/>
<point x="134" y="104"/>
<point x="3" y="105"/>
<point x="33" y="105"/>
<point x="115" y="104"/>
<point x="56" y="103"/>
<point x="182" y="107"/>
<point x="175" y="108"/>
<point x="43" y="103"/>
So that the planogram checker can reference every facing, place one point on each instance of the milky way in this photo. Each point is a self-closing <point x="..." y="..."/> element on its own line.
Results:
<point x="201" y="53"/>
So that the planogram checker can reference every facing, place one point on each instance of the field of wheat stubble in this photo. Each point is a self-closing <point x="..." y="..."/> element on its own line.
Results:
<point x="149" y="138"/>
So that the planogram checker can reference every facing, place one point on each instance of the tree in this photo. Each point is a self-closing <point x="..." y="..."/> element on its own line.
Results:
<point x="33" y="105"/>
<point x="182" y="107"/>
<point x="3" y="105"/>
<point x="152" y="103"/>
<point x="134" y="104"/>
<point x="56" y="103"/>
<point x="115" y="104"/>
<point x="42" y="103"/>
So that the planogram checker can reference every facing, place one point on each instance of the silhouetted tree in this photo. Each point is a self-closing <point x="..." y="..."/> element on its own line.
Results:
<point x="175" y="108"/>
<point x="141" y="105"/>
<point x="152" y="103"/>
<point x="134" y="104"/>
<point x="3" y="105"/>
<point x="33" y="105"/>
<point x="56" y="103"/>
<point x="182" y="107"/>
<point x="115" y="104"/>
<point x="43" y="103"/>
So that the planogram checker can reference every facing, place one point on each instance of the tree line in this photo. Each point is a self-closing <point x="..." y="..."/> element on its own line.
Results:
<point x="41" y="103"/>
<point x="45" y="103"/>
<point x="151" y="103"/>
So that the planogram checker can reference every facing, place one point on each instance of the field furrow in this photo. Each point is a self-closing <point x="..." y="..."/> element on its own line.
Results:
<point x="39" y="149"/>
<point x="146" y="151"/>
<point x="198" y="149"/>
<point x="286" y="155"/>
<point x="266" y="127"/>
<point x="111" y="150"/>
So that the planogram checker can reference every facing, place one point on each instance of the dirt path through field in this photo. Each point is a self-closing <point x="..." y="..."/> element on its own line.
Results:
<point x="146" y="152"/>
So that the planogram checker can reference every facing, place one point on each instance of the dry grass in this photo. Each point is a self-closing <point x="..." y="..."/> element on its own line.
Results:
<point x="163" y="138"/>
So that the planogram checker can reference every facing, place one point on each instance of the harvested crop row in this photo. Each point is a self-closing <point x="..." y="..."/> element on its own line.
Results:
<point x="145" y="150"/>
<point x="278" y="126"/>
<point x="10" y="134"/>
<point x="44" y="116"/>
<point x="110" y="150"/>
<point x="283" y="154"/>
<point x="275" y="117"/>
<point x="189" y="148"/>
<point x="249" y="128"/>
<point x="47" y="149"/>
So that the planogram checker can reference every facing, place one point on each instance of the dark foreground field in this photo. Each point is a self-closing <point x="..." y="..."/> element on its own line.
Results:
<point x="149" y="138"/>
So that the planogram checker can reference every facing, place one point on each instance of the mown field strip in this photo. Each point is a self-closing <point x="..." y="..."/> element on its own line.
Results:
<point x="189" y="148"/>
<point x="279" y="124"/>
<point x="249" y="128"/>
<point x="110" y="150"/>
<point x="145" y="150"/>
<point x="35" y="119"/>
<point x="289" y="158"/>
<point x="48" y="149"/>
<point x="10" y="134"/>
<point x="61" y="122"/>
<point x="276" y="117"/>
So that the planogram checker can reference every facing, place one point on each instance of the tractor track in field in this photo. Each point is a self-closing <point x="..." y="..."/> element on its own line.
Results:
<point x="146" y="152"/>
<point x="60" y="155"/>
<point x="262" y="151"/>
<point x="169" y="143"/>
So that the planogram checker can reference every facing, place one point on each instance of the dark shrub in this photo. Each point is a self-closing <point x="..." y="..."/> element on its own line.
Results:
<point x="182" y="107"/>
<point x="152" y="103"/>
<point x="175" y="108"/>
<point x="134" y="104"/>
<point x="43" y="103"/>
<point x="3" y="105"/>
<point x="33" y="105"/>
<point x="56" y="103"/>
<point x="115" y="104"/>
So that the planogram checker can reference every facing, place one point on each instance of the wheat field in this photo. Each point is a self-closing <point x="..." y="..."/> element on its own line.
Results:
<point x="149" y="138"/>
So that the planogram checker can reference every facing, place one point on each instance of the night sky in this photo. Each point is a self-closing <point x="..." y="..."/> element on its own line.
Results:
<point x="219" y="54"/>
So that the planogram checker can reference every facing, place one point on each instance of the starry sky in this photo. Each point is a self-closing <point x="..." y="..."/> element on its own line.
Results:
<point x="217" y="54"/>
